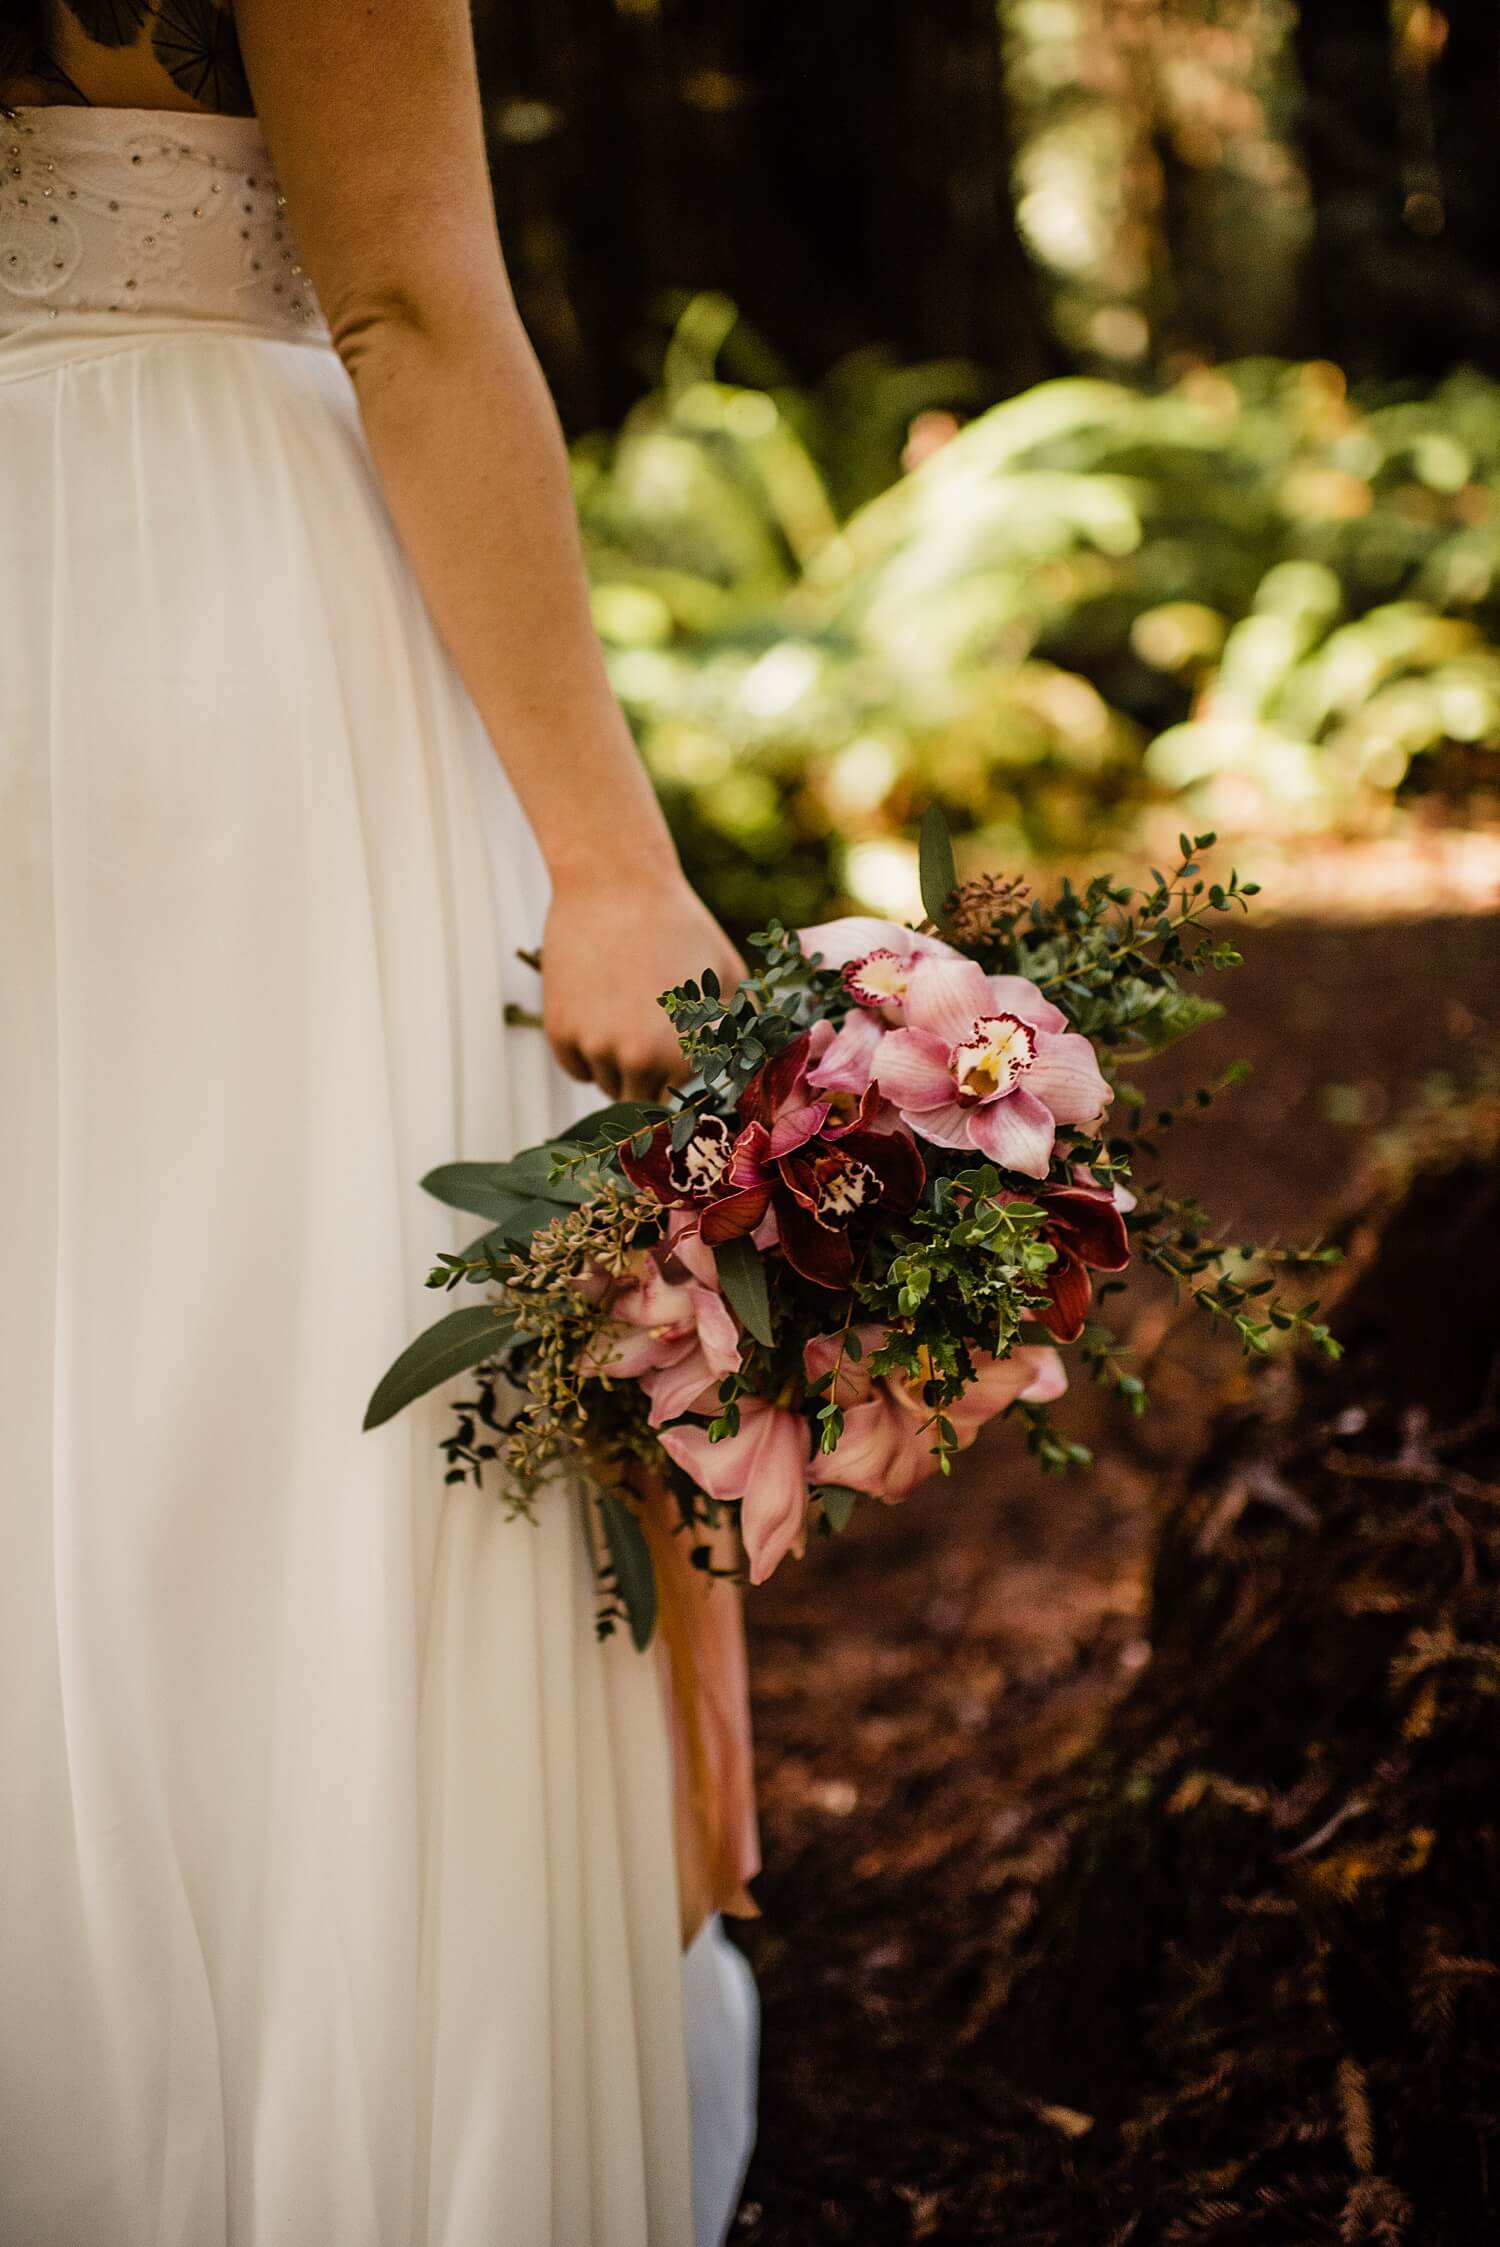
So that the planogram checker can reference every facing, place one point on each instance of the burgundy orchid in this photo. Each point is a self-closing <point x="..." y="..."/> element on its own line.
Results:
<point x="686" y="1177"/>
<point x="807" y="1158"/>
<point x="799" y="1159"/>
<point x="1086" y="1227"/>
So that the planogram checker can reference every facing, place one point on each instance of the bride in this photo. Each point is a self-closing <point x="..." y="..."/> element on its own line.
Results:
<point x="338" y="1905"/>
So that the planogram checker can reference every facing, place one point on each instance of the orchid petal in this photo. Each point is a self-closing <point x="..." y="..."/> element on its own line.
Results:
<point x="655" y="1302"/>
<point x="718" y="1335"/>
<point x="1049" y="1376"/>
<point x="675" y="1389"/>
<point x="948" y="1126"/>
<point x="737" y="1213"/>
<point x="896" y="1161"/>
<point x="912" y="1070"/>
<point x="719" y="1469"/>
<point x="947" y="997"/>
<point x="1066" y="1076"/>
<point x="764" y="1466"/>
<point x="625" y="1353"/>
<point x="865" y="1456"/>
<point x="1087" y="1220"/>
<point x="747" y="1163"/>
<point x="1016" y="1132"/>
<point x="857" y="934"/>
<point x="818" y="1253"/>
<point x="844" y="1061"/>
<point x="1016" y="994"/>
<point x="1071" y="1294"/>
<point x="1035" y="1374"/>
<point x="652" y="1170"/>
<point x="839" y="942"/>
<point x="793" y="1128"/>
<point x="691" y="1250"/>
<point x="773" y="1517"/>
<point x="776" y="1083"/>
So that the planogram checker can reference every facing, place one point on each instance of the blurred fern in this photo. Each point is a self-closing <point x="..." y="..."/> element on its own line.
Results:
<point x="824" y="610"/>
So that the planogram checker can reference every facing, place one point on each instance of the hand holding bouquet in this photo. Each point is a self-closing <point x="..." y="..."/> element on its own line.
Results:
<point x="877" y="1216"/>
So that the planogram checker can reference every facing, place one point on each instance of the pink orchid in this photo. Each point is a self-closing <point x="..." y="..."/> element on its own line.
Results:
<point x="763" y="1466"/>
<point x="877" y="958"/>
<point x="668" y="1327"/>
<point x="886" y="1448"/>
<point x="986" y="1063"/>
<point x="842" y="1060"/>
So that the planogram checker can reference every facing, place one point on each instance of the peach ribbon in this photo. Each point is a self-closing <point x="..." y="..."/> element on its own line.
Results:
<point x="701" y="1631"/>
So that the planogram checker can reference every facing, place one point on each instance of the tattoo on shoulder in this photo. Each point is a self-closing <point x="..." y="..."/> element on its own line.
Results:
<point x="193" y="41"/>
<point x="111" y="23"/>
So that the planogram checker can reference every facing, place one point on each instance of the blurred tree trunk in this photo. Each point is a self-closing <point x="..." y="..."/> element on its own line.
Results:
<point x="841" y="168"/>
<point x="1399" y="126"/>
<point x="1161" y="193"/>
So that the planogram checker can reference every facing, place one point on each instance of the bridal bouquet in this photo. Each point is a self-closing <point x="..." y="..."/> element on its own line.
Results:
<point x="883" y="1212"/>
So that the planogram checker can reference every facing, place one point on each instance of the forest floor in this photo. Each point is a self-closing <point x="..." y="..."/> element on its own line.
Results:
<point x="922" y="1680"/>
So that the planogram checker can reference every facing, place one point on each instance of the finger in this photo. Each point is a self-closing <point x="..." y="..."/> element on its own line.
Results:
<point x="571" y="1060"/>
<point x="678" y="1070"/>
<point x="606" y="1075"/>
<point x="645" y="1084"/>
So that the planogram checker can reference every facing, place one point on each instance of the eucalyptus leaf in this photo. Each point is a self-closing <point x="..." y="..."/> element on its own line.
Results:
<point x="605" y="1127"/>
<point x="464" y="1338"/>
<point x="494" y="1190"/>
<point x="936" y="866"/>
<point x="515" y="1229"/>
<point x="630" y="1558"/>
<point x="838" y="1503"/>
<point x="474" y="1187"/>
<point x="742" y="1276"/>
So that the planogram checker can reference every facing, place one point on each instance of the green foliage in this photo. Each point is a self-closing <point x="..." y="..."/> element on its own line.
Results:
<point x="630" y="1574"/>
<point x="727" y="1041"/>
<point x="1249" y="592"/>
<point x="463" y="1339"/>
<point x="742" y="1276"/>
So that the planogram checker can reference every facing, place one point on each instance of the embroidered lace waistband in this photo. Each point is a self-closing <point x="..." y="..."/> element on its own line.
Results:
<point x="152" y="214"/>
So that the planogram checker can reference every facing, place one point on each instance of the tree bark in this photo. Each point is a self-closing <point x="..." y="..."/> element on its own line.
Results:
<point x="1398" y="140"/>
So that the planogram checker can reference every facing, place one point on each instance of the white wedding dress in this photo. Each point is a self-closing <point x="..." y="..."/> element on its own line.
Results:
<point x="337" y="1898"/>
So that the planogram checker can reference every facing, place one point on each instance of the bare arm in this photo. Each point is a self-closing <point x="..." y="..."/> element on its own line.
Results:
<point x="373" y="120"/>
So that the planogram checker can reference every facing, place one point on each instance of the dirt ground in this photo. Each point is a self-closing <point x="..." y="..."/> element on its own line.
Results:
<point x="920" y="1681"/>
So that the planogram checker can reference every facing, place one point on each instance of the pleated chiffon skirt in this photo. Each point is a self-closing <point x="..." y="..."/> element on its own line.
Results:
<point x="337" y="1902"/>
